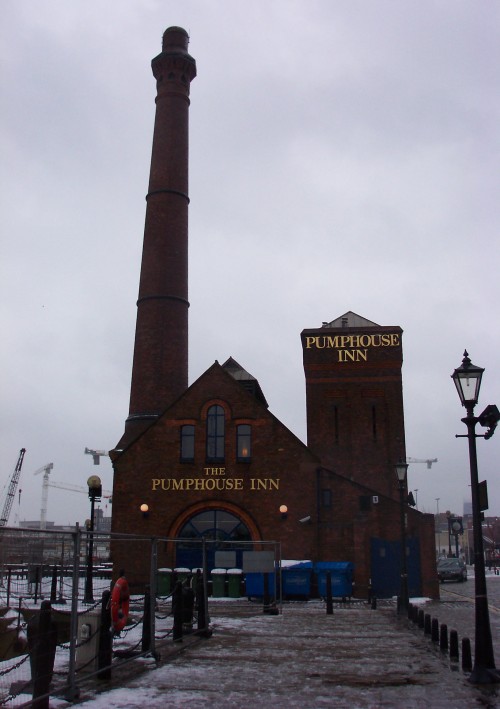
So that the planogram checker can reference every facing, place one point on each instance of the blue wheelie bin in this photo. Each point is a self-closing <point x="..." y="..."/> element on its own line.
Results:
<point x="296" y="580"/>
<point x="341" y="573"/>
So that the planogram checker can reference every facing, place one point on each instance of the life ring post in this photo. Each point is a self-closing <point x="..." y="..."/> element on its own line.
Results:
<point x="120" y="604"/>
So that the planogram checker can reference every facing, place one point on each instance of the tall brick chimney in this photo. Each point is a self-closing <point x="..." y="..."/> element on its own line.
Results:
<point x="160" y="366"/>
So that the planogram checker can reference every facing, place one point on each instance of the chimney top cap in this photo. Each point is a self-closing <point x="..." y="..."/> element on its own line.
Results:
<point x="175" y="38"/>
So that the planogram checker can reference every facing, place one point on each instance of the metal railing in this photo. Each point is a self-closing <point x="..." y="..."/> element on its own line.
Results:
<point x="44" y="582"/>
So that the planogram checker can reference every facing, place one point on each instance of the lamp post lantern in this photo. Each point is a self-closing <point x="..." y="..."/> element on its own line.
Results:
<point x="467" y="379"/>
<point x="401" y="471"/>
<point x="95" y="493"/>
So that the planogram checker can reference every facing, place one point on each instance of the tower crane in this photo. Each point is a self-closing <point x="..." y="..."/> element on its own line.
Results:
<point x="76" y="488"/>
<point x="46" y="483"/>
<point x="96" y="455"/>
<point x="11" y="492"/>
<point x="428" y="461"/>
<point x="45" y="469"/>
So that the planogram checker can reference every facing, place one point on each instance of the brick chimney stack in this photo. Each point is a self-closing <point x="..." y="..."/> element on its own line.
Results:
<point x="160" y="366"/>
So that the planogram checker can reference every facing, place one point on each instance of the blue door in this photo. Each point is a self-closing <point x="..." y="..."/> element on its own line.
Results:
<point x="386" y="567"/>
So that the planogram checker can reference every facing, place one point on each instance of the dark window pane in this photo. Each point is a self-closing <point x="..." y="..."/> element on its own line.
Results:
<point x="326" y="498"/>
<point x="215" y="433"/>
<point x="187" y="442"/>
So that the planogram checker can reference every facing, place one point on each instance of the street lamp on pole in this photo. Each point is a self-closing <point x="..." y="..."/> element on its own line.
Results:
<point x="401" y="471"/>
<point x="467" y="379"/>
<point x="95" y="494"/>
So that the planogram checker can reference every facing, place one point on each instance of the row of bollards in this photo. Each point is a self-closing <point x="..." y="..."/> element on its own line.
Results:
<point x="439" y="636"/>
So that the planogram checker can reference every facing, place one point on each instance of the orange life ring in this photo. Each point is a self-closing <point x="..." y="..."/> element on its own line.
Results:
<point x="120" y="596"/>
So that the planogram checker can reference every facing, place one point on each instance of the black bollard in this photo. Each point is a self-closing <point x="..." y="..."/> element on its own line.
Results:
<point x="421" y="621"/>
<point x="374" y="603"/>
<point x="105" y="650"/>
<point x="178" y="611"/>
<point x="435" y="630"/>
<point x="42" y="641"/>
<point x="414" y="615"/>
<point x="329" y="599"/>
<point x="410" y="611"/>
<point x="466" y="655"/>
<point x="37" y="582"/>
<point x="53" y="586"/>
<point x="200" y="603"/>
<point x="146" y="623"/>
<point x="427" y="624"/>
<point x="443" y="637"/>
<point x="188" y="609"/>
<point x="173" y="584"/>
<point x="454" y="656"/>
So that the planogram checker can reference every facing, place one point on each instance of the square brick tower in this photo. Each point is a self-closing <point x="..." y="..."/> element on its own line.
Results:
<point x="355" y="419"/>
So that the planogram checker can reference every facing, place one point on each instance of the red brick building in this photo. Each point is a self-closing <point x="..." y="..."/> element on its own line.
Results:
<point x="211" y="457"/>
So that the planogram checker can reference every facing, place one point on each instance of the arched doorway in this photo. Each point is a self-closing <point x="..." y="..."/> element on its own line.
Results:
<point x="223" y="529"/>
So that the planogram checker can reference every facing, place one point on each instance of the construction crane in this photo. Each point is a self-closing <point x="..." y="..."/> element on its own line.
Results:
<point x="96" y="455"/>
<point x="46" y="483"/>
<point x="11" y="492"/>
<point x="76" y="488"/>
<point x="428" y="461"/>
<point x="45" y="469"/>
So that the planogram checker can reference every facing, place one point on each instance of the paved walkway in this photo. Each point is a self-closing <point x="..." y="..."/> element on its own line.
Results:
<point x="357" y="658"/>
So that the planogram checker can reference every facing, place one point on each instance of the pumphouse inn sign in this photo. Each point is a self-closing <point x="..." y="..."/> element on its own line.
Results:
<point x="212" y="480"/>
<point x="352" y="347"/>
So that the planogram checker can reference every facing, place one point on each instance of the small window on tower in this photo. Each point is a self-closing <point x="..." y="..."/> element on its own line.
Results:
<point x="244" y="443"/>
<point x="187" y="443"/>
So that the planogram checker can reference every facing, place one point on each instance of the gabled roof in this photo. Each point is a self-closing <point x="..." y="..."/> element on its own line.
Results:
<point x="248" y="381"/>
<point x="350" y="319"/>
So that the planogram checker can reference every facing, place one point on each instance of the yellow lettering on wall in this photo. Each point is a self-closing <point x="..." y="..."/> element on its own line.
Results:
<point x="362" y="341"/>
<point x="214" y="471"/>
<point x="210" y="484"/>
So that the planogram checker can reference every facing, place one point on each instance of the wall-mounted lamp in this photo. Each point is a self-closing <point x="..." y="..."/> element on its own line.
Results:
<point x="145" y="510"/>
<point x="283" y="511"/>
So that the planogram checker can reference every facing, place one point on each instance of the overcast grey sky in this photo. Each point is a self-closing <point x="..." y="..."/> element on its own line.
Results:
<point x="344" y="155"/>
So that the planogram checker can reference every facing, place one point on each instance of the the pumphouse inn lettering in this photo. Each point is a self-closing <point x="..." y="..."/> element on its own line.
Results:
<point x="213" y="479"/>
<point x="352" y="348"/>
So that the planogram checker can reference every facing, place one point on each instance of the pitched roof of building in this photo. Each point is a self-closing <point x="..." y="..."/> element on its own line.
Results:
<point x="350" y="319"/>
<point x="247" y="380"/>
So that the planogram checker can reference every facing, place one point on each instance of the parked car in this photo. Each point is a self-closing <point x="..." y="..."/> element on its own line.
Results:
<point x="451" y="570"/>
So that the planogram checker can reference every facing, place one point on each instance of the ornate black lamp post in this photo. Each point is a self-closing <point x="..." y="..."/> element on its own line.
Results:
<point x="95" y="493"/>
<point x="467" y="379"/>
<point x="401" y="471"/>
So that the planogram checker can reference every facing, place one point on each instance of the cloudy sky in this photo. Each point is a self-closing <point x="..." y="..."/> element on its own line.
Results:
<point x="344" y="155"/>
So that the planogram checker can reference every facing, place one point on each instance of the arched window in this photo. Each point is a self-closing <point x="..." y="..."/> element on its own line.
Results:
<point x="215" y="433"/>
<point x="187" y="443"/>
<point x="243" y="442"/>
<point x="219" y="526"/>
